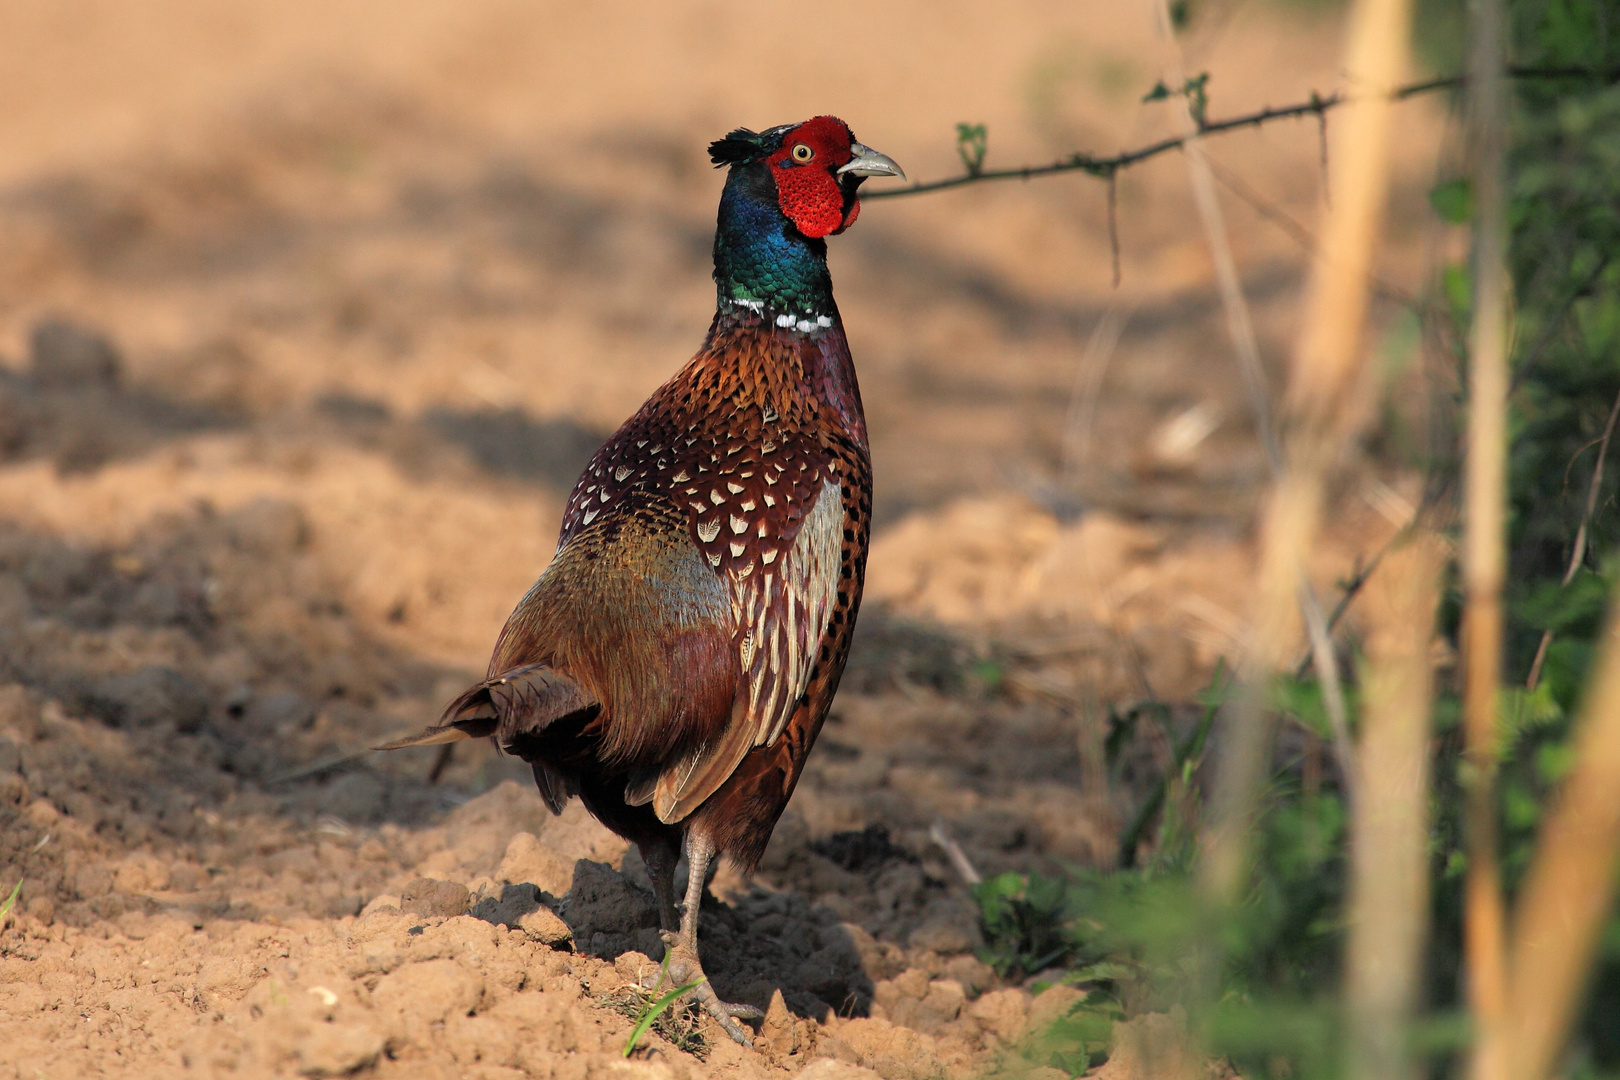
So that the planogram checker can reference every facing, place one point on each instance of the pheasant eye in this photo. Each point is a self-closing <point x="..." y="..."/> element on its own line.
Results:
<point x="802" y="153"/>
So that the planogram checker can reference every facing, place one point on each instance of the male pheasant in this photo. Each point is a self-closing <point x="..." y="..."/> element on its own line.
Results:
<point x="674" y="663"/>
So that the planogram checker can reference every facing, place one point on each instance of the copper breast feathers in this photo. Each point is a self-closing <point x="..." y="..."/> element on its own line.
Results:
<point x="762" y="498"/>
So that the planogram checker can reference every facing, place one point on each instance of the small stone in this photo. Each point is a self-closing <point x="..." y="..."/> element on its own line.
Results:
<point x="429" y="897"/>
<point x="778" y="1028"/>
<point x="42" y="813"/>
<point x="636" y="968"/>
<point x="386" y="902"/>
<point x="832" y="1068"/>
<point x="1001" y="1013"/>
<point x="269" y="527"/>
<point x="1151" y="1045"/>
<point x="42" y="908"/>
<point x="831" y="1046"/>
<point x="945" y="998"/>
<point x="546" y="927"/>
<point x="1053" y="1005"/>
<point x="895" y="1053"/>
<point x="152" y="695"/>
<point x="529" y="861"/>
<point x="944" y="936"/>
<point x="67" y="355"/>
<point x="141" y="874"/>
<point x="974" y="974"/>
<point x="337" y="1049"/>
<point x="14" y="789"/>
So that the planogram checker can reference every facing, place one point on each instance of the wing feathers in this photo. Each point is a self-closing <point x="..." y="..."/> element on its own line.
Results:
<point x="796" y="625"/>
<point x="781" y="620"/>
<point x="699" y="774"/>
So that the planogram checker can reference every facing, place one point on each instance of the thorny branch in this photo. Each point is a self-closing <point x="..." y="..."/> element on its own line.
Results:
<point x="1318" y="106"/>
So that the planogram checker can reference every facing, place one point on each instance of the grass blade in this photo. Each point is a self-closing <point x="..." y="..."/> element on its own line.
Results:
<point x="655" y="1010"/>
<point x="5" y="909"/>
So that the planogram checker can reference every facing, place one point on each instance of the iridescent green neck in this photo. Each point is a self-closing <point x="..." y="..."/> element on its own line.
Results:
<point x="761" y="262"/>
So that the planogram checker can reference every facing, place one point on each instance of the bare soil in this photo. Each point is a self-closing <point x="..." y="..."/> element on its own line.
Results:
<point x="310" y="314"/>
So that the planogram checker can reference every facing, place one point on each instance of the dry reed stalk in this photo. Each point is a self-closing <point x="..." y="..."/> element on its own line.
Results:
<point x="1571" y="885"/>
<point x="1328" y="391"/>
<point x="1483" y="544"/>
<point x="1389" y="872"/>
<point x="1240" y="328"/>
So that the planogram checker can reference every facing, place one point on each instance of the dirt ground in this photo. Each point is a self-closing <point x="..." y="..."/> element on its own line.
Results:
<point x="309" y="315"/>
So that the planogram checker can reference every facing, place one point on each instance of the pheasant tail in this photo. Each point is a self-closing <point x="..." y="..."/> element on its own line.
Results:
<point x="520" y="702"/>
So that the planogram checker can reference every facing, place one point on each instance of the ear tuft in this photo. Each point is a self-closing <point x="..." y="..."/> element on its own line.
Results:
<point x="737" y="148"/>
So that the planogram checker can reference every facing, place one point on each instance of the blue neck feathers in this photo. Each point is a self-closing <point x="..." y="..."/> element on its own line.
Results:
<point x="763" y="263"/>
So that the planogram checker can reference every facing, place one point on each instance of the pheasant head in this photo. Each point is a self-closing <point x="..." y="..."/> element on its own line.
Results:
<point x="788" y="188"/>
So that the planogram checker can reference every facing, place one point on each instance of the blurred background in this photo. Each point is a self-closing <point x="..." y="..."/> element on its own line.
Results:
<point x="311" y="312"/>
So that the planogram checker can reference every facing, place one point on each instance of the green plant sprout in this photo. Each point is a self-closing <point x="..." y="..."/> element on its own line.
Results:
<point x="5" y="909"/>
<point x="654" y="1009"/>
<point x="972" y="140"/>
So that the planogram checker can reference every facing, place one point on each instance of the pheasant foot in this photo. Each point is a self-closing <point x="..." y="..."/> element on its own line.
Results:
<point x="684" y="967"/>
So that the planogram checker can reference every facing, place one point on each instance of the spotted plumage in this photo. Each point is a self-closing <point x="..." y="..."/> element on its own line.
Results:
<point x="675" y="661"/>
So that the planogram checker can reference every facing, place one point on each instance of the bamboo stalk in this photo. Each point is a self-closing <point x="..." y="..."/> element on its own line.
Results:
<point x="1389" y="839"/>
<point x="1327" y="389"/>
<point x="1483" y="545"/>
<point x="1570" y="890"/>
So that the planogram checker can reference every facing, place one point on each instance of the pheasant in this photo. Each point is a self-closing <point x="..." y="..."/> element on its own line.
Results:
<point x="675" y="661"/>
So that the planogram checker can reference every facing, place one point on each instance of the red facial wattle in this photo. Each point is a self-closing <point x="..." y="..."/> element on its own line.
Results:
<point x="807" y="188"/>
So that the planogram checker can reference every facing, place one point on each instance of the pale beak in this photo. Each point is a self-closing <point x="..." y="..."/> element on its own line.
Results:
<point x="868" y="162"/>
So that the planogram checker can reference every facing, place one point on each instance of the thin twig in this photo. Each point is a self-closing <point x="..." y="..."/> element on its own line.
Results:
<point x="1239" y="325"/>
<point x="1113" y="223"/>
<point x="1266" y="208"/>
<point x="1357" y="581"/>
<point x="1103" y="167"/>
<point x="1082" y="416"/>
<point x="1578" y="555"/>
<point x="1326" y="661"/>
<point x="953" y="851"/>
<point x="1322" y="147"/>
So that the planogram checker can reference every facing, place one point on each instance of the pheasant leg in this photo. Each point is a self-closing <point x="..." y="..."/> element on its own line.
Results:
<point x="660" y="859"/>
<point x="684" y="966"/>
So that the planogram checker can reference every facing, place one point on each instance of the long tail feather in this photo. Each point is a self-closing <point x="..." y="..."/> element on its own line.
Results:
<point x="433" y="736"/>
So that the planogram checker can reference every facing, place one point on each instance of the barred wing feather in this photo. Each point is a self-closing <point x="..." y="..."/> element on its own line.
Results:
<point x="780" y="619"/>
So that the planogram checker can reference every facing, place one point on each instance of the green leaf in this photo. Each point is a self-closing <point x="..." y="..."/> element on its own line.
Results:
<point x="1453" y="200"/>
<point x="1458" y="286"/>
<point x="972" y="142"/>
<point x="5" y="909"/>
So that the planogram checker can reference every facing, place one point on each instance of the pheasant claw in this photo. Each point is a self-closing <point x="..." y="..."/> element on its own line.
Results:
<point x="684" y="968"/>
